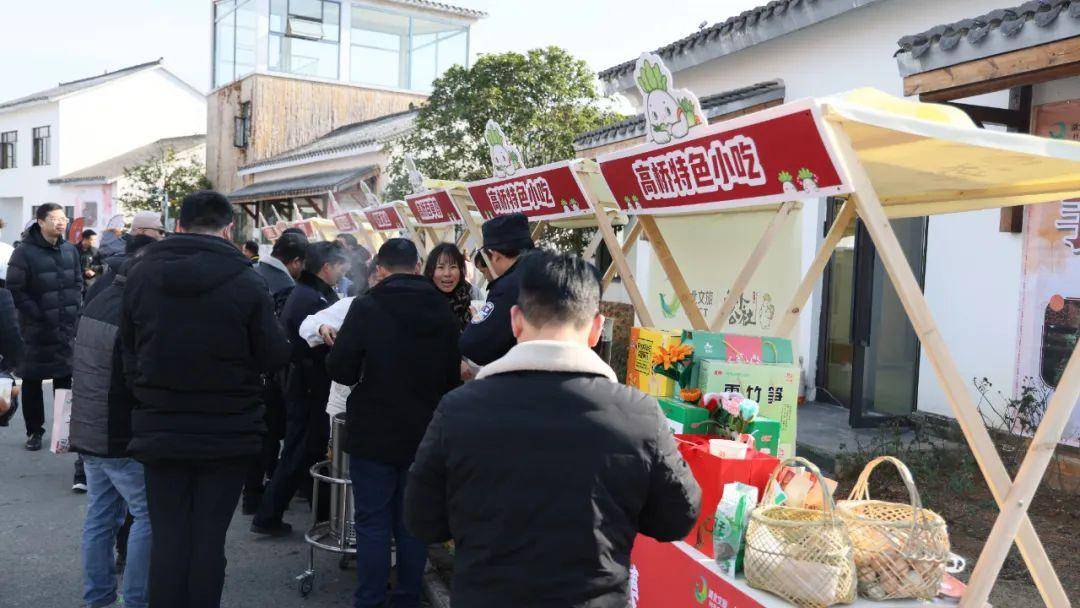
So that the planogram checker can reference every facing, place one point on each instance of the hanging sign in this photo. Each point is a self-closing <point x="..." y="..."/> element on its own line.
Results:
<point x="384" y="218"/>
<point x="433" y="208"/>
<point x="270" y="233"/>
<point x="766" y="158"/>
<point x="306" y="226"/>
<point x="548" y="192"/>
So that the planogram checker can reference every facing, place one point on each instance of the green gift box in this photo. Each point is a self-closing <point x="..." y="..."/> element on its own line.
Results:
<point x="766" y="433"/>
<point x="774" y="387"/>
<point x="683" y="417"/>
<point x="735" y="348"/>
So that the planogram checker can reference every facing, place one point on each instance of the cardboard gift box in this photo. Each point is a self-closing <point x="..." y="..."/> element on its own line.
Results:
<point x="683" y="417"/>
<point x="774" y="387"/>
<point x="736" y="349"/>
<point x="766" y="434"/>
<point x="711" y="473"/>
<point x="639" y="366"/>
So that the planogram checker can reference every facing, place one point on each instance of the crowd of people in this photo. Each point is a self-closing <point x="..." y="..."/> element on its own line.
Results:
<point x="204" y="376"/>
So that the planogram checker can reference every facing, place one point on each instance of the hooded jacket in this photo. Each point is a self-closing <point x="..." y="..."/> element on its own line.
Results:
<point x="101" y="401"/>
<point x="398" y="345"/>
<point x="198" y="330"/>
<point x="543" y="470"/>
<point x="46" y="283"/>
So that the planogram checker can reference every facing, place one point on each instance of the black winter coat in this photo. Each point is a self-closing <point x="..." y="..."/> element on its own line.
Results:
<point x="398" y="345"/>
<point x="101" y="401"/>
<point x="489" y="335"/>
<point x="46" y="283"/>
<point x="11" y="343"/>
<point x="543" y="479"/>
<point x="308" y="382"/>
<point x="110" y="267"/>
<point x="198" y="330"/>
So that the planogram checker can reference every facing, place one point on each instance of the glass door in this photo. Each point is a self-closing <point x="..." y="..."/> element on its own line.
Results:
<point x="869" y="356"/>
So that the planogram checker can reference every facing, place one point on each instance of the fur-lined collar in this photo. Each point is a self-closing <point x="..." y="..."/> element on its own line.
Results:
<point x="549" y="356"/>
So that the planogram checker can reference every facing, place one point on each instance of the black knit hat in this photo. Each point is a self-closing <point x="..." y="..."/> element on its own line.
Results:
<point x="507" y="232"/>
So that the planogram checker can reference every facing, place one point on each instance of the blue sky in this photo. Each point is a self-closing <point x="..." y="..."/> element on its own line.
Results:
<point x="50" y="41"/>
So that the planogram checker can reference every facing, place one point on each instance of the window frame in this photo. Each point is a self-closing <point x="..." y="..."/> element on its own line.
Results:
<point x="235" y="6"/>
<point x="276" y="39"/>
<point x="42" y="146"/>
<point x="242" y="126"/>
<point x="9" y="149"/>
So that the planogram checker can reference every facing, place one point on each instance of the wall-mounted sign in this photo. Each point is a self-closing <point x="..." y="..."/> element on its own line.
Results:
<point x="768" y="157"/>
<point x="548" y="192"/>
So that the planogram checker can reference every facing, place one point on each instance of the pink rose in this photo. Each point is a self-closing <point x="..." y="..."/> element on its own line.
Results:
<point x="730" y="402"/>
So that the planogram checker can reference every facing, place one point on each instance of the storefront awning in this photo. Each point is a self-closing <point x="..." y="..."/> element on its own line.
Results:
<point x="313" y="184"/>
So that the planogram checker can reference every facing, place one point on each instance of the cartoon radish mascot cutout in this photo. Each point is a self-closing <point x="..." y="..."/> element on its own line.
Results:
<point x="808" y="180"/>
<point x="370" y="197"/>
<point x="669" y="113"/>
<point x="786" y="183"/>
<point x="416" y="179"/>
<point x="506" y="159"/>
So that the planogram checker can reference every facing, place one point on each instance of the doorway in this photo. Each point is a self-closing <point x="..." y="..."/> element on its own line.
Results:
<point x="868" y="360"/>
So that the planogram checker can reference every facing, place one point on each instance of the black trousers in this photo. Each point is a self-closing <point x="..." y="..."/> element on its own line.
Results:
<point x="191" y="504"/>
<point x="33" y="403"/>
<point x="307" y="431"/>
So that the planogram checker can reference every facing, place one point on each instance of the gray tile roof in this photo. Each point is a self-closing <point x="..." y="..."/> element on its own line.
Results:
<point x="113" y="168"/>
<point x="999" y="31"/>
<point x="304" y="185"/>
<point x="354" y="135"/>
<point x="66" y="88"/>
<point x="712" y="105"/>
<point x="440" y="6"/>
<point x="757" y="25"/>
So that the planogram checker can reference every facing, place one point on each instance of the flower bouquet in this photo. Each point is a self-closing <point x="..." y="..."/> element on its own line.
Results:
<point x="675" y="362"/>
<point x="730" y="412"/>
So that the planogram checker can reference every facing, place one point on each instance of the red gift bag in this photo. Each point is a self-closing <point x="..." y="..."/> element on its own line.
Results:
<point x="711" y="473"/>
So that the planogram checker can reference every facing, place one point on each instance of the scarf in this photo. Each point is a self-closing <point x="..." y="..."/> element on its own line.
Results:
<point x="461" y="302"/>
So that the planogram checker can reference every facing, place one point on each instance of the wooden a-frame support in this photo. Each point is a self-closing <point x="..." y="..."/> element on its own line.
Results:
<point x="620" y="262"/>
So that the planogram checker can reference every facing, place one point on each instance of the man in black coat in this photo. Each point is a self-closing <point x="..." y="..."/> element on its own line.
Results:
<point x="398" y="345"/>
<point x="11" y="349"/>
<point x="46" y="282"/>
<point x="112" y="264"/>
<point x="307" y="427"/>
<point x="547" y="515"/>
<point x="198" y="332"/>
<point x="488" y="337"/>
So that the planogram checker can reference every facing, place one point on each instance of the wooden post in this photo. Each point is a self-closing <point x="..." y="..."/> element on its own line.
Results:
<point x="628" y="243"/>
<point x="671" y="269"/>
<point x="963" y="406"/>
<point x="472" y="228"/>
<point x="538" y="230"/>
<point x="604" y="224"/>
<point x="1026" y="483"/>
<point x="817" y="267"/>
<point x="751" y="266"/>
<point x="594" y="244"/>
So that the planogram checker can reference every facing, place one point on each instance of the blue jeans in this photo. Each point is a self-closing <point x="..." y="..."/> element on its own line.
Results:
<point x="115" y="486"/>
<point x="378" y="496"/>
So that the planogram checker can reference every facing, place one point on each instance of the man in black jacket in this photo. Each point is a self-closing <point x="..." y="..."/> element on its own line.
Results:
<point x="46" y="282"/>
<point x="398" y="345"/>
<point x="488" y="337"/>
<point x="307" y="427"/>
<point x="547" y="516"/>
<point x="198" y="331"/>
<point x="112" y="264"/>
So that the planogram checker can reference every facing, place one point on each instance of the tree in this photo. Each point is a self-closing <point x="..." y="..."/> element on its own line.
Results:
<point x="542" y="99"/>
<point x="146" y="180"/>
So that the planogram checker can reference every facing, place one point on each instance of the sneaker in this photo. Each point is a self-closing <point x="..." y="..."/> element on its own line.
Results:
<point x="79" y="486"/>
<point x="33" y="443"/>
<point x="276" y="530"/>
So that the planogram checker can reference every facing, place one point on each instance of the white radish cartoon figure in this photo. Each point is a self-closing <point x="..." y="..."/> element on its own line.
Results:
<point x="669" y="113"/>
<point x="506" y="159"/>
<point x="786" y="183"/>
<point x="807" y="180"/>
<point x="370" y="197"/>
<point x="416" y="179"/>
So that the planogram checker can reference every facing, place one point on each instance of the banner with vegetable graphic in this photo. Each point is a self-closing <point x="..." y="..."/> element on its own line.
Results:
<point x="766" y="158"/>
<point x="548" y="192"/>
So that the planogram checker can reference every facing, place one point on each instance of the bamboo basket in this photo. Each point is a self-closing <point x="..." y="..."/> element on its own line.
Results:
<point x="802" y="555"/>
<point x="900" y="549"/>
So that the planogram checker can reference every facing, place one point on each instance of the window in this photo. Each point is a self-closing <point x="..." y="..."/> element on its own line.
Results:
<point x="41" y="146"/>
<point x="304" y="37"/>
<point x="242" y="125"/>
<point x="396" y="50"/>
<point x="234" y="39"/>
<point x="8" y="139"/>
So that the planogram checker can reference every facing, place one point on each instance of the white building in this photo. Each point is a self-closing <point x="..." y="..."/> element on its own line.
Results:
<point x="77" y="124"/>
<point x="854" y="341"/>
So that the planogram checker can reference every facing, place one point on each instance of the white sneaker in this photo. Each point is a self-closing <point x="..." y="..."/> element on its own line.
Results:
<point x="79" y="487"/>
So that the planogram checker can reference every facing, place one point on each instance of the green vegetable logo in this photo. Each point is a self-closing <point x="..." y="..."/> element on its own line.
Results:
<point x="808" y="180"/>
<point x="701" y="591"/>
<point x="787" y="183"/>
<point x="669" y="113"/>
<point x="669" y="310"/>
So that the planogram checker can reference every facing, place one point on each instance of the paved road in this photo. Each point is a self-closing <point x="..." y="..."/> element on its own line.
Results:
<point x="41" y="525"/>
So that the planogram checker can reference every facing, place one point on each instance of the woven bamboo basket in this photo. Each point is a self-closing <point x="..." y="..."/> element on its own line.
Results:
<point x="900" y="549"/>
<point x="802" y="555"/>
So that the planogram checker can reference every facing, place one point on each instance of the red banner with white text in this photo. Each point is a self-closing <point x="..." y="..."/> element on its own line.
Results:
<point x="384" y="218"/>
<point x="434" y="208"/>
<point x="542" y="193"/>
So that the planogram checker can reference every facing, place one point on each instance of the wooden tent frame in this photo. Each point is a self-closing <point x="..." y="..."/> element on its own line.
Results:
<point x="1013" y="496"/>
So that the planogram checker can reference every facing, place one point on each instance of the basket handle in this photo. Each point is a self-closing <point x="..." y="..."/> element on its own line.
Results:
<point x="861" y="491"/>
<point x="827" y="499"/>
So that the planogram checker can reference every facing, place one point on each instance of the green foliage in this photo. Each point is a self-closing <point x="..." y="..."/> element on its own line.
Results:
<point x="145" y="181"/>
<point x="542" y="99"/>
<point x="784" y="177"/>
<point x="690" y="111"/>
<point x="805" y="173"/>
<point x="651" y="78"/>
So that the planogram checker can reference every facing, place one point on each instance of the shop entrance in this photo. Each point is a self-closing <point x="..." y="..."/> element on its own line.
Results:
<point x="868" y="360"/>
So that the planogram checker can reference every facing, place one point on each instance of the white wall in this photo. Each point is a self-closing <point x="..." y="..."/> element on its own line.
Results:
<point x="973" y="270"/>
<point x="26" y="182"/>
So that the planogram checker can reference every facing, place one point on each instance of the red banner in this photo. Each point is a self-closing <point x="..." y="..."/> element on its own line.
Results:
<point x="765" y="158"/>
<point x="306" y="226"/>
<point x="548" y="192"/>
<point x="345" y="222"/>
<point x="434" y="208"/>
<point x="270" y="233"/>
<point x="384" y="218"/>
<point x="674" y="575"/>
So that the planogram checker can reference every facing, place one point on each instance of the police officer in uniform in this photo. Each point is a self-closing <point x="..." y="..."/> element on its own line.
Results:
<point x="489" y="336"/>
